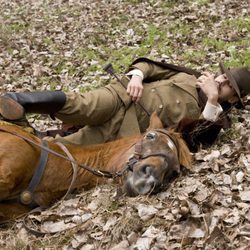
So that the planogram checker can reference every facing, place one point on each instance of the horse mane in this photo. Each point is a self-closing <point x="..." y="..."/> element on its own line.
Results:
<point x="200" y="132"/>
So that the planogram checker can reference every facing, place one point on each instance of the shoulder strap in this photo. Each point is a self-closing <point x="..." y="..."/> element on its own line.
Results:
<point x="169" y="66"/>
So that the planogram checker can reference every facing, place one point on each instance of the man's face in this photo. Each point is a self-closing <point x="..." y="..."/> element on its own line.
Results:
<point x="226" y="90"/>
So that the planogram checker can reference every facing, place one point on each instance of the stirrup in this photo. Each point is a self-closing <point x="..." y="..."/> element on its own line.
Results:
<point x="10" y="109"/>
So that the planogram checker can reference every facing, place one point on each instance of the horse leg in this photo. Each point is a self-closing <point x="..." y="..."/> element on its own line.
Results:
<point x="10" y="211"/>
<point x="7" y="185"/>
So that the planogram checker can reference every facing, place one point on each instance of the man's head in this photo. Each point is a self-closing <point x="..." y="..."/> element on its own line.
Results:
<point x="239" y="80"/>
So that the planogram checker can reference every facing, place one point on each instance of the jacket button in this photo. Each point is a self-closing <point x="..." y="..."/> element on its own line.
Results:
<point x="177" y="101"/>
<point x="153" y="90"/>
<point x="161" y="106"/>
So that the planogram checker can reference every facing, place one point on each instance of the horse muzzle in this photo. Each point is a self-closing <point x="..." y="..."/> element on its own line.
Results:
<point x="143" y="180"/>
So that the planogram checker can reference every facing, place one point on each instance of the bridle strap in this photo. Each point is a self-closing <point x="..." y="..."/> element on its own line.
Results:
<point x="139" y="146"/>
<point x="74" y="167"/>
<point x="40" y="169"/>
<point x="163" y="131"/>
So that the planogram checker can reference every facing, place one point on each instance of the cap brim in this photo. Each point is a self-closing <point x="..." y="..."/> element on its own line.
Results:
<point x="230" y="77"/>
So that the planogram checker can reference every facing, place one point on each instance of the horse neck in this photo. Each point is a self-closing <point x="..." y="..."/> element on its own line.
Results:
<point x="109" y="156"/>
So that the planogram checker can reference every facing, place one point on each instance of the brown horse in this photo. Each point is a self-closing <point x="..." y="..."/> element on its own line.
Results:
<point x="156" y="156"/>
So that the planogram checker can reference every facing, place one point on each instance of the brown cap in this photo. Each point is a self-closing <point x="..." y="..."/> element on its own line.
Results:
<point x="240" y="80"/>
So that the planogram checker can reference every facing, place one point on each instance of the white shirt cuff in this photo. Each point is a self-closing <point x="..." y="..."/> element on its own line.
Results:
<point x="136" y="72"/>
<point x="212" y="112"/>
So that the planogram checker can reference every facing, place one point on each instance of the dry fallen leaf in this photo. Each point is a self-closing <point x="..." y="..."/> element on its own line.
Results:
<point x="56" y="227"/>
<point x="245" y="195"/>
<point x="146" y="212"/>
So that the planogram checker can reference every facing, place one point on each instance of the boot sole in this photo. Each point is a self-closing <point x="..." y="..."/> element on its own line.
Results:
<point x="10" y="109"/>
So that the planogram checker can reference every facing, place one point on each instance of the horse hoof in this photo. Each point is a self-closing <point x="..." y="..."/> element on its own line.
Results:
<point x="10" y="109"/>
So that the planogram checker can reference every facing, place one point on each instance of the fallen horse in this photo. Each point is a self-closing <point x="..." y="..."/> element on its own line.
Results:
<point x="37" y="174"/>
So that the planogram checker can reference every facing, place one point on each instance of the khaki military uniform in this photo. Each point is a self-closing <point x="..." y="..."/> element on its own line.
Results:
<point x="108" y="113"/>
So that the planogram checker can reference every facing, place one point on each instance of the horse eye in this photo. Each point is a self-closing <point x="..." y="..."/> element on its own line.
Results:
<point x="151" y="136"/>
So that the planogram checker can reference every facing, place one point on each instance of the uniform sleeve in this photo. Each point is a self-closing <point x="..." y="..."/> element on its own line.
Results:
<point x="152" y="72"/>
<point x="212" y="112"/>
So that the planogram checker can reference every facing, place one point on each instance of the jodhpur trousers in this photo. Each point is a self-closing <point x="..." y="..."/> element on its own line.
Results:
<point x="100" y="112"/>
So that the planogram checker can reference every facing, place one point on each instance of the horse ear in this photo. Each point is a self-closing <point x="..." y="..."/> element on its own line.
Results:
<point x="154" y="122"/>
<point x="186" y="127"/>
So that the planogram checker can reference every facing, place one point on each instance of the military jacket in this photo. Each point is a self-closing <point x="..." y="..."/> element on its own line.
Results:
<point x="168" y="89"/>
<point x="172" y="94"/>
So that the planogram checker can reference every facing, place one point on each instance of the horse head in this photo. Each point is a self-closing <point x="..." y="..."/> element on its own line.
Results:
<point x="157" y="158"/>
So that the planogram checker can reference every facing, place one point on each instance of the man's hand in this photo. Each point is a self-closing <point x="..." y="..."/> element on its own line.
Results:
<point x="209" y="86"/>
<point x="135" y="88"/>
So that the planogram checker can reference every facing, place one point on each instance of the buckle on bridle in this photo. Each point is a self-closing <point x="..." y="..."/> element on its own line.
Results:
<point x="26" y="197"/>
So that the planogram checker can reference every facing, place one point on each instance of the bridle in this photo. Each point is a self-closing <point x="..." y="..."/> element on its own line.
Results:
<point x="138" y="153"/>
<point x="26" y="196"/>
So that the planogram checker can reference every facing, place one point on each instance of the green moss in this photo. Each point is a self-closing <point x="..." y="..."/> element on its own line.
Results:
<point x="238" y="23"/>
<point x="229" y="135"/>
<point x="200" y="2"/>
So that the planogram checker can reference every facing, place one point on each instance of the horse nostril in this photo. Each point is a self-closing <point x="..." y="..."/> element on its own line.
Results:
<point x="146" y="170"/>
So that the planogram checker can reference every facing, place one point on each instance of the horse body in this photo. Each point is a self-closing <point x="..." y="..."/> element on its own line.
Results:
<point x="18" y="160"/>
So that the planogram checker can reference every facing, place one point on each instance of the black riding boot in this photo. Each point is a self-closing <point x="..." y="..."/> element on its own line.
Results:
<point x="13" y="106"/>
